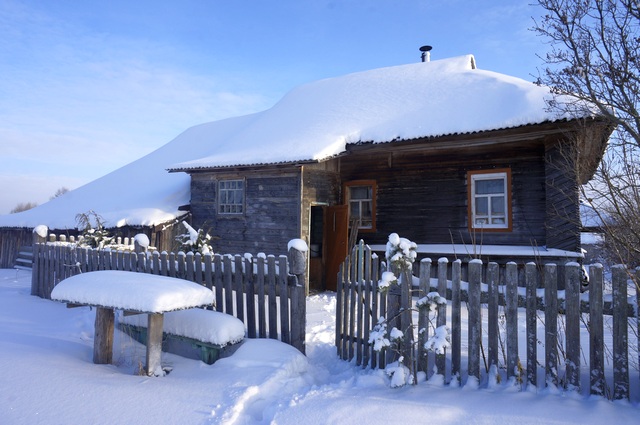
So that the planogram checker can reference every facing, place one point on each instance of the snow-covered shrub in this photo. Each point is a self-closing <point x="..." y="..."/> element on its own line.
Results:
<point x="93" y="232"/>
<point x="400" y="253"/>
<point x="431" y="301"/>
<point x="440" y="341"/>
<point x="195" y="240"/>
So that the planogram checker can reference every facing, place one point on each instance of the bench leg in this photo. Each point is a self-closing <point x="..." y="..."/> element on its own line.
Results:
<point x="154" y="344"/>
<point x="103" y="338"/>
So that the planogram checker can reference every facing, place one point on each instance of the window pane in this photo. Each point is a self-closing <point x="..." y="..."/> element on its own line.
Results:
<point x="497" y="205"/>
<point x="482" y="206"/>
<point x="366" y="210"/>
<point x="484" y="187"/>
<point x="355" y="209"/>
<point x="360" y="192"/>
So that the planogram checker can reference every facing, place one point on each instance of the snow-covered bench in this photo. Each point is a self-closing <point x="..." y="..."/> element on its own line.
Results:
<point x="210" y="333"/>
<point x="134" y="293"/>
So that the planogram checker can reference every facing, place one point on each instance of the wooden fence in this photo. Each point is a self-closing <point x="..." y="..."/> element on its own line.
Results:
<point x="257" y="290"/>
<point x="553" y="354"/>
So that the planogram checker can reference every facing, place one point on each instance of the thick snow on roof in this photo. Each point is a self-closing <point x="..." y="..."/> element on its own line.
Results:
<point x="317" y="120"/>
<point x="313" y="122"/>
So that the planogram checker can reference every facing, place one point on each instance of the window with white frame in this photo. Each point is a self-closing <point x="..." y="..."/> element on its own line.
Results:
<point x="231" y="197"/>
<point x="489" y="199"/>
<point x="360" y="196"/>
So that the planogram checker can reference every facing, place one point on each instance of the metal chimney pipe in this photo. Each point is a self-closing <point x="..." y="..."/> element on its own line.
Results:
<point x="426" y="53"/>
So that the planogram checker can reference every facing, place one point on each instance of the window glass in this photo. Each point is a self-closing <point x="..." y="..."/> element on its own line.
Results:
<point x="489" y="200"/>
<point x="231" y="196"/>
<point x="360" y="198"/>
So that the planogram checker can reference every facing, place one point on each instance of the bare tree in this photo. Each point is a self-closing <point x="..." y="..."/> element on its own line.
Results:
<point x="59" y="192"/>
<point x="594" y="61"/>
<point x="23" y="206"/>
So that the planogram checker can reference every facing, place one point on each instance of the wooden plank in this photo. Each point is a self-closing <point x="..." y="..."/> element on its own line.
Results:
<point x="271" y="287"/>
<point x="228" y="285"/>
<point x="103" y="338"/>
<point x="375" y="304"/>
<point x="572" y="333"/>
<point x="360" y="303"/>
<point x="475" y="318"/>
<point x="339" y="316"/>
<point x="493" y="328"/>
<point x="352" y="304"/>
<point x="285" y="329"/>
<point x="298" y="313"/>
<point x="154" y="344"/>
<point x="511" y="313"/>
<point x="423" y="315"/>
<point x="250" y="296"/>
<point x="367" y="288"/>
<point x="219" y="282"/>
<point x="531" y="284"/>
<point x="456" y="320"/>
<point x="262" y="299"/>
<point x="238" y="287"/>
<point x="620" y="333"/>
<point x="441" y="359"/>
<point x="597" y="382"/>
<point x="551" y="324"/>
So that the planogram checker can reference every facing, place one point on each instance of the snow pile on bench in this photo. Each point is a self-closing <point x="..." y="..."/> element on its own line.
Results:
<point x="207" y="326"/>
<point x="131" y="291"/>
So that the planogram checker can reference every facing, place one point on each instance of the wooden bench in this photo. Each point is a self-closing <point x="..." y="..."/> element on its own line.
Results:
<point x="134" y="293"/>
<point x="196" y="333"/>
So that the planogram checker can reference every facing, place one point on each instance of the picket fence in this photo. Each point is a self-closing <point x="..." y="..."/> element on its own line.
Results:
<point x="552" y="324"/>
<point x="257" y="290"/>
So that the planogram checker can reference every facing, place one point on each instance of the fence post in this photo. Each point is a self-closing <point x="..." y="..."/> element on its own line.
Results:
<point x="596" y="331"/>
<point x="531" y="282"/>
<point x="441" y="359"/>
<point x="620" y="336"/>
<point x="511" y="313"/>
<point x="38" y="238"/>
<point x="551" y="323"/>
<point x="492" y="312"/>
<point x="423" y="315"/>
<point x="572" y="301"/>
<point x="456" y="319"/>
<point x="475" y="317"/>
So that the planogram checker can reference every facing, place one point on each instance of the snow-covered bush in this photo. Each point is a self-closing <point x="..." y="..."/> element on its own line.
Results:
<point x="195" y="240"/>
<point x="93" y="232"/>
<point x="401" y="253"/>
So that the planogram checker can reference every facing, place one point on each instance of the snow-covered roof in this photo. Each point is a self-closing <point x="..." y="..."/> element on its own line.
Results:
<point x="313" y="122"/>
<point x="428" y="99"/>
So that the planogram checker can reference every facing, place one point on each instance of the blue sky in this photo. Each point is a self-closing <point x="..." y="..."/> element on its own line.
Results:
<point x="89" y="86"/>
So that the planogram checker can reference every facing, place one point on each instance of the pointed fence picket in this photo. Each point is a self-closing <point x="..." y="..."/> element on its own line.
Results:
<point x="493" y="301"/>
<point x="257" y="290"/>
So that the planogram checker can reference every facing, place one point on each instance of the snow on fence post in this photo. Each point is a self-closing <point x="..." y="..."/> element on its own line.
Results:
<point x="551" y="323"/>
<point x="423" y="315"/>
<point x="475" y="317"/>
<point x="620" y="336"/>
<point x="511" y="313"/>
<point x="441" y="359"/>
<point x="456" y="319"/>
<point x="492" y="312"/>
<point x="572" y="301"/>
<point x="596" y="331"/>
<point x="531" y="283"/>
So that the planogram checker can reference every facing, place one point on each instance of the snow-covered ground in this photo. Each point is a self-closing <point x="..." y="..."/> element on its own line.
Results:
<point x="47" y="377"/>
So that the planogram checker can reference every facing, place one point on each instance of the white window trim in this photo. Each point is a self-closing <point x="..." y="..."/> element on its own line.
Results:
<point x="474" y="177"/>
<point x="220" y="204"/>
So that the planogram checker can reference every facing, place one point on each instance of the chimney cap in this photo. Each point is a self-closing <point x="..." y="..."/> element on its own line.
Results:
<point x="425" y="48"/>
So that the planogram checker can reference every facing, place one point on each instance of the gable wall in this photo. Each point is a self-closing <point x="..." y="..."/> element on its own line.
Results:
<point x="271" y="217"/>
<point x="423" y="195"/>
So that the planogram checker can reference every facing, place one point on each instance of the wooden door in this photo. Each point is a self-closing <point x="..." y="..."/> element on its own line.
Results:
<point x="335" y="247"/>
